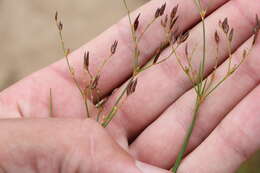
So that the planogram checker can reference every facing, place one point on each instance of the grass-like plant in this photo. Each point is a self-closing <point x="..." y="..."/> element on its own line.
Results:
<point x="202" y="84"/>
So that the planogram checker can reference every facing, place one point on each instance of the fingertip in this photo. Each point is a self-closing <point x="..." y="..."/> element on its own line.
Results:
<point x="146" y="168"/>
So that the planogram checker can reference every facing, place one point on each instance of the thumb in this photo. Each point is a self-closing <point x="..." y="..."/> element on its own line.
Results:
<point x="63" y="146"/>
<point x="60" y="146"/>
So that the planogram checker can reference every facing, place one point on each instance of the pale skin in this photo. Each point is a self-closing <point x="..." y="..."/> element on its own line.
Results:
<point x="151" y="124"/>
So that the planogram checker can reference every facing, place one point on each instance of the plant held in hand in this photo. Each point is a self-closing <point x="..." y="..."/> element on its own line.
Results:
<point x="202" y="84"/>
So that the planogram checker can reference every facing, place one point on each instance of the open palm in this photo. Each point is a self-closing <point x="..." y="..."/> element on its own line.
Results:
<point x="151" y="125"/>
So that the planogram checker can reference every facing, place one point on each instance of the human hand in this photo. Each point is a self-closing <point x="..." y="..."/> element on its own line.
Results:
<point x="151" y="125"/>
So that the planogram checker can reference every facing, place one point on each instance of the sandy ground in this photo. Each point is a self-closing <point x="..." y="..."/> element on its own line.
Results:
<point x="29" y="39"/>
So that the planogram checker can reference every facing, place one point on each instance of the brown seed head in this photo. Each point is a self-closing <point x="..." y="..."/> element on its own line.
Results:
<point x="255" y="38"/>
<point x="86" y="60"/>
<point x="164" y="21"/>
<point x="257" y="20"/>
<point x="157" y="13"/>
<point x="225" y="26"/>
<point x="131" y="87"/>
<point x="136" y="22"/>
<point x="187" y="50"/>
<point x="162" y="9"/>
<point x="174" y="12"/>
<point x="256" y="30"/>
<point x="244" y="54"/>
<point x="173" y="22"/>
<point x="217" y="39"/>
<point x="231" y="35"/>
<point x="114" y="47"/>
<point x="183" y="37"/>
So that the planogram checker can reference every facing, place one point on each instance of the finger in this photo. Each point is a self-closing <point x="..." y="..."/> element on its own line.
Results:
<point x="169" y="129"/>
<point x="231" y="143"/>
<point x="146" y="168"/>
<point x="60" y="145"/>
<point x="162" y="85"/>
<point x="58" y="78"/>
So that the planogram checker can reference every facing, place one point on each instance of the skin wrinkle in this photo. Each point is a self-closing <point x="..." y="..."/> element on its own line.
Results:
<point x="78" y="153"/>
<point x="92" y="153"/>
<point x="233" y="145"/>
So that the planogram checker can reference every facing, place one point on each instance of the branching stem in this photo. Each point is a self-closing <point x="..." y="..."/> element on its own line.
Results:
<point x="71" y="70"/>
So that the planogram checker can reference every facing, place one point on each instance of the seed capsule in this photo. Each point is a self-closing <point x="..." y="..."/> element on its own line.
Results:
<point x="183" y="37"/>
<point x="136" y="22"/>
<point x="217" y="39"/>
<point x="86" y="60"/>
<point x="157" y="13"/>
<point x="231" y="35"/>
<point x="131" y="87"/>
<point x="114" y="47"/>
<point x="225" y="26"/>
<point x="174" y="12"/>
<point x="162" y="9"/>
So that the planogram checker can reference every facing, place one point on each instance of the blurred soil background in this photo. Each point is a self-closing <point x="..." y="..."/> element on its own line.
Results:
<point x="29" y="39"/>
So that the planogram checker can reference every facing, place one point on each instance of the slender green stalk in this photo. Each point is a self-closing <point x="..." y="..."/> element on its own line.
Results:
<point x="114" y="109"/>
<point x="146" y="29"/>
<point x="71" y="70"/>
<point x="229" y="53"/>
<point x="98" y="116"/>
<point x="157" y="63"/>
<point x="202" y="65"/>
<point x="102" y="65"/>
<point x="136" y="67"/>
<point x="51" y="104"/>
<point x="187" y="138"/>
<point x="199" y="88"/>
<point x="136" y="49"/>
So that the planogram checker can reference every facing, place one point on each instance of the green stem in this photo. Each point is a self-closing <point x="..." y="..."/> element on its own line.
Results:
<point x="51" y="104"/>
<point x="72" y="71"/>
<point x="217" y="85"/>
<point x="146" y="29"/>
<point x="136" y="49"/>
<point x="202" y="65"/>
<point x="114" y="110"/>
<point x="187" y="138"/>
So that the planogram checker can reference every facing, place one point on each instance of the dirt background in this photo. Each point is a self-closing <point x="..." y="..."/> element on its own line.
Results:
<point x="29" y="39"/>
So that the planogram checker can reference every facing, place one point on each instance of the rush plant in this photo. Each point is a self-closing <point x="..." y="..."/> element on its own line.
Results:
<point x="203" y="85"/>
